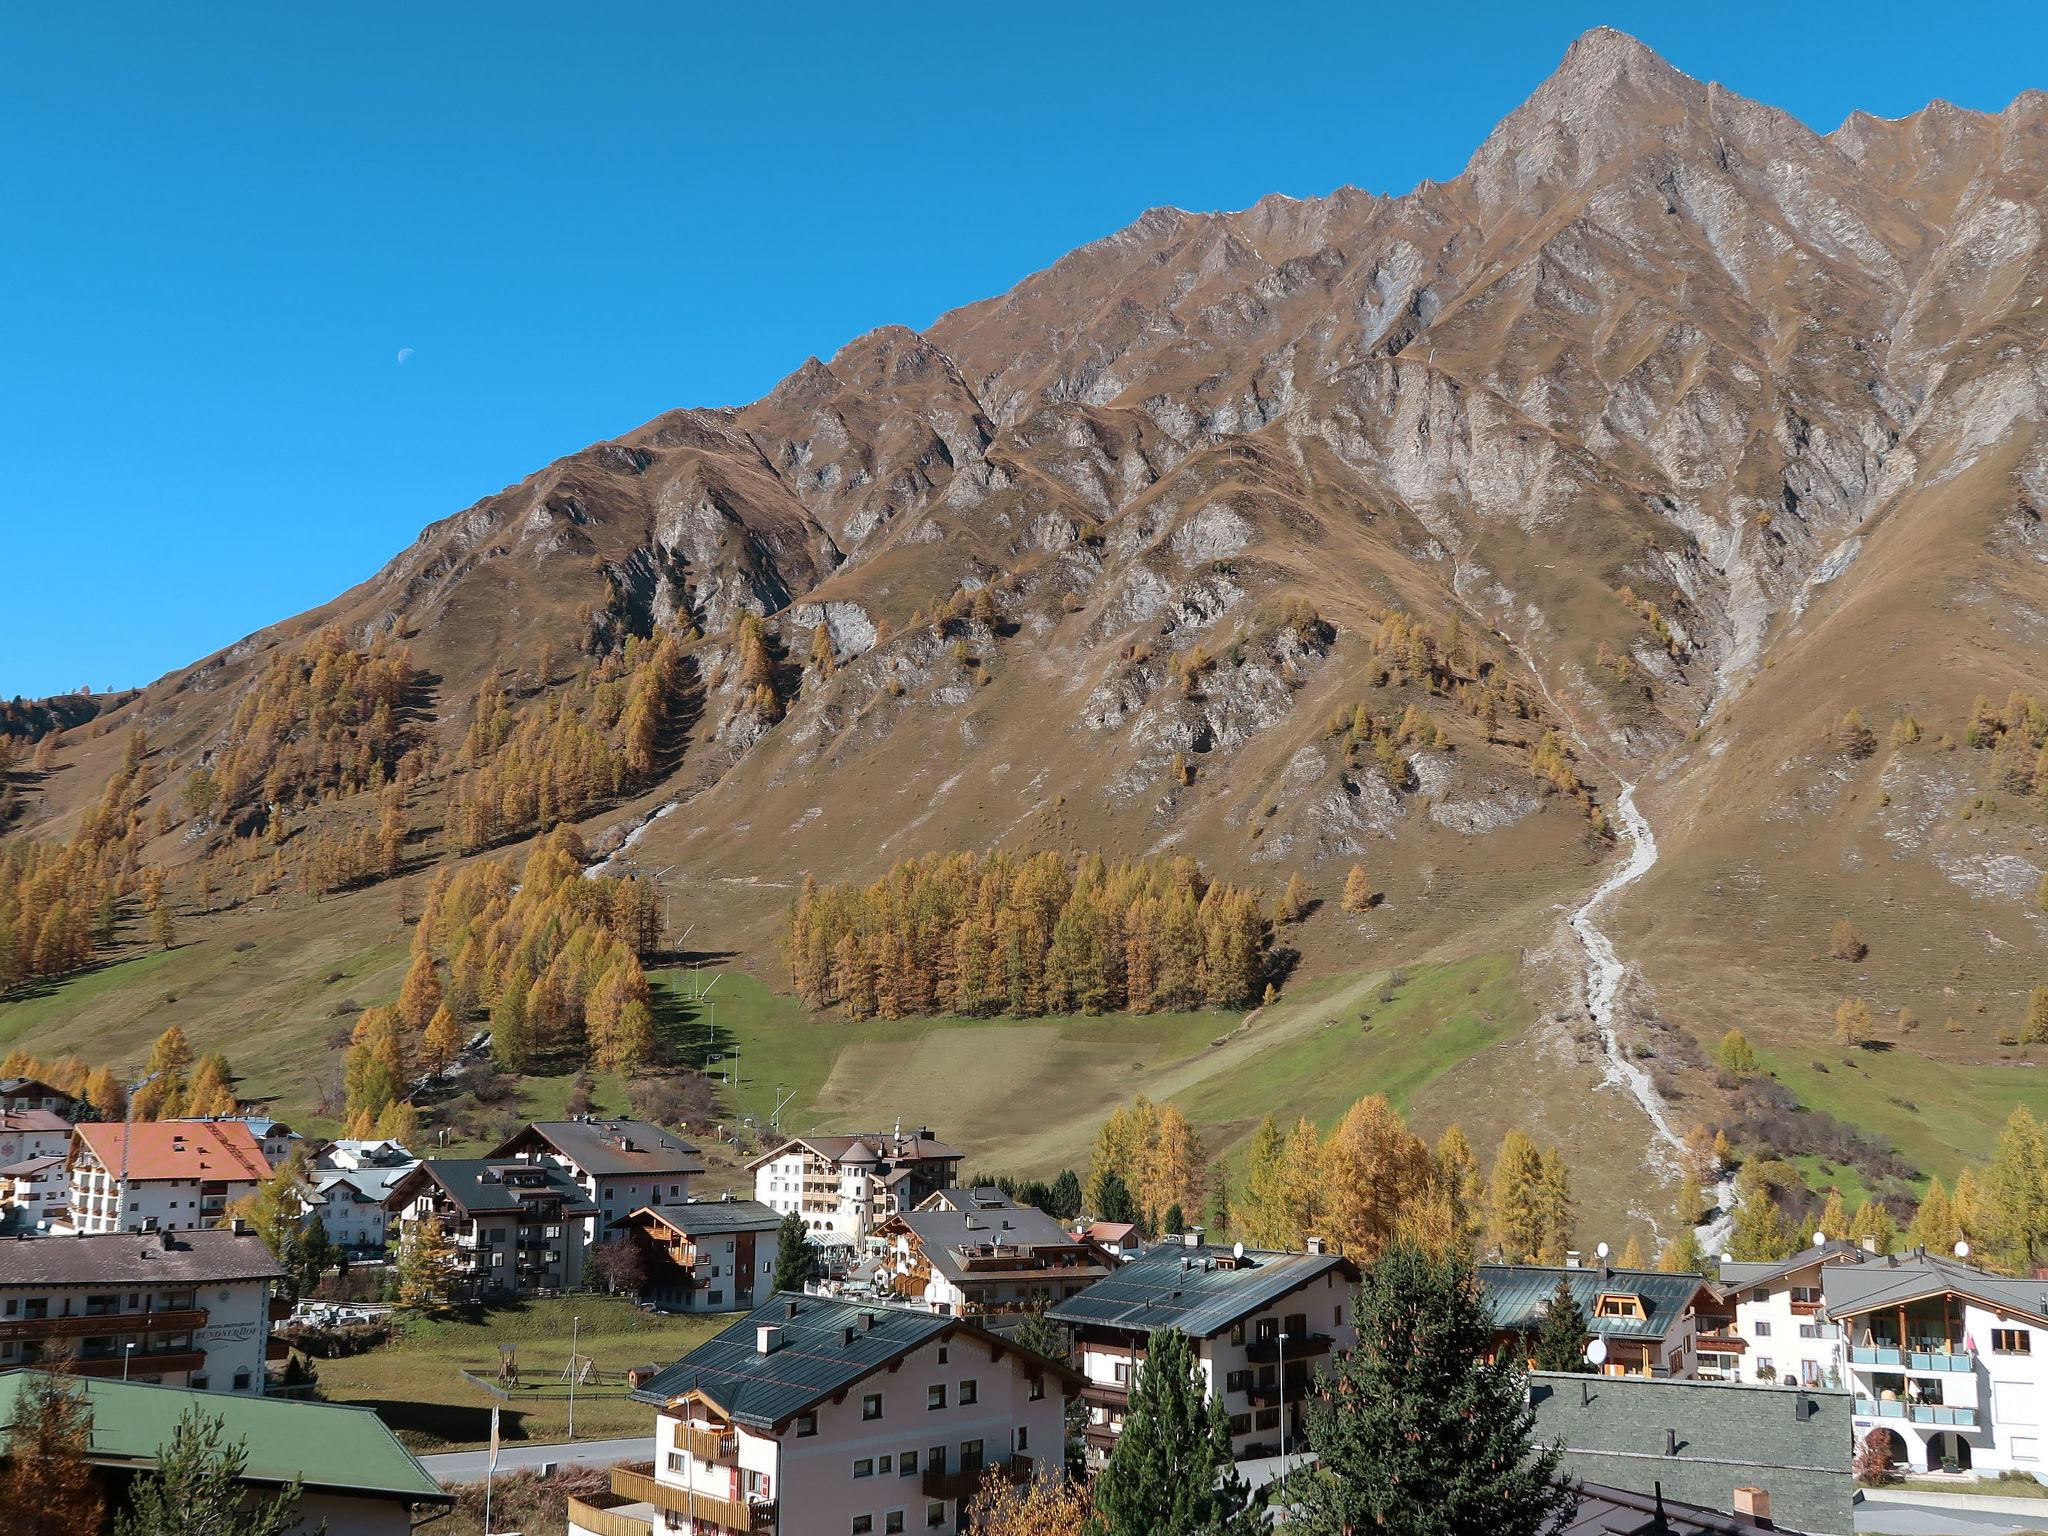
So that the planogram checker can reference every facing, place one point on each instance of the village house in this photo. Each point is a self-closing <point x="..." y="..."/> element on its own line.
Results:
<point x="351" y="1183"/>
<point x="845" y="1187"/>
<point x="621" y="1165"/>
<point x="1119" y="1239"/>
<point x="1952" y="1360"/>
<point x="1261" y="1322"/>
<point x="188" y="1309"/>
<point x="181" y="1175"/>
<point x="814" y="1416"/>
<point x="518" y="1227"/>
<point x="35" y="1147"/>
<point x="276" y="1139"/>
<point x="357" y="1479"/>
<point x="974" y="1251"/>
<point x="704" y="1255"/>
<point x="1766" y="1322"/>
<point x="24" y="1093"/>
<point x="1645" y="1319"/>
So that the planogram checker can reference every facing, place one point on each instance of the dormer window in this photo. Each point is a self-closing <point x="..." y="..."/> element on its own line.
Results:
<point x="1619" y="1304"/>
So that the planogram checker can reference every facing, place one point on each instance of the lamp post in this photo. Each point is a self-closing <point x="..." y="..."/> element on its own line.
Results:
<point x="575" y="1328"/>
<point x="127" y="1354"/>
<point x="1283" y="1404"/>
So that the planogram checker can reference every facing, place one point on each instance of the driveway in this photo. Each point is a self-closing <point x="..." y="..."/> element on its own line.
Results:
<point x="468" y="1466"/>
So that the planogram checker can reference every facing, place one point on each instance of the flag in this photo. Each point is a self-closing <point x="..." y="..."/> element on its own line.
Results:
<point x="494" y="1439"/>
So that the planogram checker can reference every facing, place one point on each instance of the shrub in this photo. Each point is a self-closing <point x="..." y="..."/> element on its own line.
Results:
<point x="1844" y="943"/>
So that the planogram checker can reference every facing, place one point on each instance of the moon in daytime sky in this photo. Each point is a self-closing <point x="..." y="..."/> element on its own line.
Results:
<point x="403" y="354"/>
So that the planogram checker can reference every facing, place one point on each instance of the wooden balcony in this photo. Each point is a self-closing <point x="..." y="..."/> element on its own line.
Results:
<point x="1267" y="1351"/>
<point x="964" y="1482"/>
<point x="718" y="1445"/>
<point x="1106" y="1393"/>
<point x="639" y="1485"/>
<point x="81" y="1325"/>
<point x="601" y="1521"/>
<point x="140" y="1364"/>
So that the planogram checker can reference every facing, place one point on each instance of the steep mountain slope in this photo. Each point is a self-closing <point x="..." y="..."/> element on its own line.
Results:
<point x="1670" y="427"/>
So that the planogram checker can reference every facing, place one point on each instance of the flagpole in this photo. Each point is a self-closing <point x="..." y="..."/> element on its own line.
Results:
<point x="490" y="1469"/>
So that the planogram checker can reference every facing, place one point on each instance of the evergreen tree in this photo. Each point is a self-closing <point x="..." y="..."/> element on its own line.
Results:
<point x="796" y="1256"/>
<point x="1560" y="1343"/>
<point x="47" y="1486"/>
<point x="1419" y="1434"/>
<point x="196" y="1489"/>
<point x="316" y="1252"/>
<point x="1066" y="1196"/>
<point x="1172" y="1470"/>
<point x="1112" y="1200"/>
<point x="1761" y="1233"/>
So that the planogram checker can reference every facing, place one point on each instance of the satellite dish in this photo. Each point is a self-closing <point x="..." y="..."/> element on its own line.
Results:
<point x="1237" y="1250"/>
<point x="1820" y="1239"/>
<point x="1600" y="1252"/>
<point x="1727" y="1258"/>
<point x="1962" y="1250"/>
<point x="1596" y="1352"/>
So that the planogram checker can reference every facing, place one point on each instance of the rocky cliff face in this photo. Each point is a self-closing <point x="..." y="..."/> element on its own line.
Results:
<point x="1704" y="427"/>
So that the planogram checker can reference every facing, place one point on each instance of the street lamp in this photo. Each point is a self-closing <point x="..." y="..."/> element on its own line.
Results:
<point x="1283" y="1404"/>
<point x="127" y="1353"/>
<point x="575" y="1328"/>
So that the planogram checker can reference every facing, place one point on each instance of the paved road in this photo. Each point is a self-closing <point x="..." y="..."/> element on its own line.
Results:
<point x="1890" y="1519"/>
<point x="468" y="1466"/>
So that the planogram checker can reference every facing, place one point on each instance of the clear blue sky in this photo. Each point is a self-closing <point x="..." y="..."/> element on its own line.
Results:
<point x="220" y="224"/>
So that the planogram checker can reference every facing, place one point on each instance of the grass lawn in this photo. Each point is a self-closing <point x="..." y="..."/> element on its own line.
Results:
<point x="1314" y="1052"/>
<point x="1983" y="1488"/>
<point x="415" y="1386"/>
<point x="1940" y="1116"/>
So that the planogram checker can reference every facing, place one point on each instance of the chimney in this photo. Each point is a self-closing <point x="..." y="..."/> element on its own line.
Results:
<point x="1315" y="1245"/>
<point x="846" y="1336"/>
<point x="242" y="1228"/>
<point x="1753" y="1505"/>
<point x="789" y="1309"/>
<point x="1191" y="1237"/>
<point x="1670" y="1442"/>
<point x="1868" y="1245"/>
<point x="867" y="1322"/>
<point x="1571" y="1258"/>
<point x="768" y="1338"/>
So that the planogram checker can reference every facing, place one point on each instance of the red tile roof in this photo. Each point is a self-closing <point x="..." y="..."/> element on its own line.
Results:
<point x="220" y="1150"/>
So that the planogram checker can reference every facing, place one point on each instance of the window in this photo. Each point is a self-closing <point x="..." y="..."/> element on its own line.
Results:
<point x="935" y="1515"/>
<point x="1340" y="1314"/>
<point x="935" y="1397"/>
<point x="893" y="1522"/>
<point x="1267" y="1418"/>
<point x="970" y="1455"/>
<point x="906" y="1464"/>
<point x="871" y="1406"/>
<point x="864" y="1467"/>
<point x="1240" y="1423"/>
<point x="1763" y="1327"/>
<point x="1765" y="1369"/>
<point x="1237" y="1381"/>
<point x="863" y="1524"/>
<point x="1122" y="1372"/>
<point x="1023" y="1438"/>
<point x="2012" y="1341"/>
<point x="970" y="1392"/>
<point x="1037" y="1393"/>
<point x="806" y="1424"/>
<point x="199" y="1383"/>
<point x="1809" y="1330"/>
<point x="882" y="1466"/>
<point x="1616" y="1305"/>
<point x="1237" y="1333"/>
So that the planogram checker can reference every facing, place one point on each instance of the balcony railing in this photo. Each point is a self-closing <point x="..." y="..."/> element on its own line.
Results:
<point x="1917" y="1413"/>
<point x="141" y="1363"/>
<point x="1719" y="1343"/>
<point x="962" y="1482"/>
<point x="1890" y="1357"/>
<point x="709" y="1444"/>
<point x="1267" y="1351"/>
<point x="78" y="1325"/>
<point x="600" y="1521"/>
<point x="638" y="1484"/>
<point x="1109" y="1394"/>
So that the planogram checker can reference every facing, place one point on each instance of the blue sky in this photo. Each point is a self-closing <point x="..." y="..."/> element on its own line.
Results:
<point x="220" y="224"/>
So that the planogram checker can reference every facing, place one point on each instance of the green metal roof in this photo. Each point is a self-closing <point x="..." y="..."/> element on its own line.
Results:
<point x="331" y="1447"/>
<point x="1200" y="1290"/>
<point x="1518" y="1294"/>
<point x="1700" y="1440"/>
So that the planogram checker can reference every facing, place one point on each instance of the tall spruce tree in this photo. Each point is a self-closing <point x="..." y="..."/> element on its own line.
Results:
<point x="1066" y="1196"/>
<point x="1560" y="1344"/>
<point x="1172" y="1470"/>
<point x="796" y="1256"/>
<point x="1418" y="1434"/>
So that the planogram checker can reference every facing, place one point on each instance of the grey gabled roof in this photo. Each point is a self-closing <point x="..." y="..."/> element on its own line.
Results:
<point x="1608" y="1511"/>
<point x="481" y="1186"/>
<point x="1201" y="1290"/>
<point x="817" y="1356"/>
<point x="1849" y="1289"/>
<point x="137" y="1258"/>
<point x="1519" y="1293"/>
<point x="611" y="1149"/>
<point x="701" y="1218"/>
<point x="1700" y="1440"/>
<point x="1739" y="1275"/>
